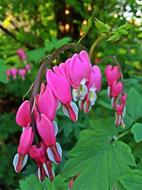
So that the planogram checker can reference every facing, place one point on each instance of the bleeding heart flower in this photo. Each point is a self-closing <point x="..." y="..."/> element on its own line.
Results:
<point x="14" y="72"/>
<point x="38" y="153"/>
<point x="61" y="89"/>
<point x="22" y="73"/>
<point x="23" y="117"/>
<point x="21" y="53"/>
<point x="25" y="144"/>
<point x="112" y="74"/>
<point x="47" y="102"/>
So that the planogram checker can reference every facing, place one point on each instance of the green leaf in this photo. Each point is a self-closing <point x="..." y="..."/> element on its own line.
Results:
<point x="7" y="125"/>
<point x="132" y="180"/>
<point x="32" y="183"/>
<point x="96" y="159"/>
<point x="3" y="69"/>
<point x="137" y="131"/>
<point x="114" y="38"/>
<point x="134" y="104"/>
<point x="102" y="27"/>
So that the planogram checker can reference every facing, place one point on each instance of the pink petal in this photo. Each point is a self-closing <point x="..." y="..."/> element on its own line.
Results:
<point x="47" y="103"/>
<point x="59" y="86"/>
<point x="46" y="130"/>
<point x="23" y="117"/>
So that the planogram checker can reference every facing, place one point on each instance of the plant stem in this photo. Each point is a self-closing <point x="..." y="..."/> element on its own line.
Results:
<point x="122" y="135"/>
<point x="95" y="44"/>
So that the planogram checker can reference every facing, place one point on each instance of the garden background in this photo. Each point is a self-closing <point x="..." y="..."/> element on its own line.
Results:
<point x="111" y="31"/>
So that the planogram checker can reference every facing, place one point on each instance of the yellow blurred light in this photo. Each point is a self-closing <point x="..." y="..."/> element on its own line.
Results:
<point x="67" y="11"/>
<point x="61" y="27"/>
<point x="81" y="33"/>
<point x="67" y="27"/>
<point x="6" y="23"/>
<point x="89" y="7"/>
<point x="84" y="22"/>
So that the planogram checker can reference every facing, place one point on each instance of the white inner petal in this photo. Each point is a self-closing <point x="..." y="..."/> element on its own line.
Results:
<point x="45" y="169"/>
<point x="39" y="174"/>
<point x="15" y="161"/>
<point x="55" y="127"/>
<point x="65" y="111"/>
<point x="124" y="112"/>
<point x="50" y="155"/>
<point x="59" y="149"/>
<point x="108" y="91"/>
<point x="75" y="94"/>
<point x="83" y="91"/>
<point x="92" y="96"/>
<point x="59" y="105"/>
<point x="24" y="160"/>
<point x="75" y="109"/>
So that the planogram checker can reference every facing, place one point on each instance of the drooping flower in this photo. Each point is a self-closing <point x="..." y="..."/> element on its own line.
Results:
<point x="116" y="90"/>
<point x="38" y="153"/>
<point x="28" y="67"/>
<point x="22" y="73"/>
<point x="14" y="72"/>
<point x="23" y="117"/>
<point x="78" y="69"/>
<point x="21" y="53"/>
<point x="61" y="89"/>
<point x="112" y="74"/>
<point x="48" y="134"/>
<point x="8" y="74"/>
<point x="25" y="144"/>
<point x="47" y="103"/>
<point x="94" y="85"/>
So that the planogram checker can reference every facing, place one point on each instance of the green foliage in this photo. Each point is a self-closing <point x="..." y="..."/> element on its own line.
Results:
<point x="137" y="131"/>
<point x="33" y="183"/>
<point x="3" y="69"/>
<point x="132" y="180"/>
<point x="96" y="154"/>
<point x="103" y="28"/>
<point x="134" y="104"/>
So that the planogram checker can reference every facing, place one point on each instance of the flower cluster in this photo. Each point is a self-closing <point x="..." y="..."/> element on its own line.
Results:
<point x="75" y="80"/>
<point x="116" y="93"/>
<point x="13" y="73"/>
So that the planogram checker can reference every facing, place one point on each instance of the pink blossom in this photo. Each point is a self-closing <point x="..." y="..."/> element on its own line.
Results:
<point x="94" y="85"/>
<point x="38" y="153"/>
<point x="116" y="89"/>
<point x="23" y="117"/>
<point x="22" y="73"/>
<point x="46" y="130"/>
<point x="21" y="53"/>
<point x="47" y="102"/>
<point x="25" y="144"/>
<point x="8" y="73"/>
<point x="14" y="72"/>
<point x="28" y="67"/>
<point x="112" y="74"/>
<point x="61" y="89"/>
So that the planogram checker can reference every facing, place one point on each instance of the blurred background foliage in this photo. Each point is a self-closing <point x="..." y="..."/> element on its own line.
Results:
<point x="115" y="29"/>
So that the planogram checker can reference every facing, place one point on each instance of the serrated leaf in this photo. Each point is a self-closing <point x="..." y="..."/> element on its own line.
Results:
<point x="132" y="180"/>
<point x="137" y="131"/>
<point x="134" y="104"/>
<point x="96" y="159"/>
<point x="102" y="27"/>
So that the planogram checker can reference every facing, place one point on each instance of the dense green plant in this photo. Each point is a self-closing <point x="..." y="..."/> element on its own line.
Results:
<point x="99" y="154"/>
